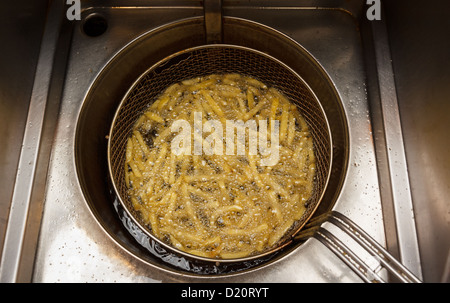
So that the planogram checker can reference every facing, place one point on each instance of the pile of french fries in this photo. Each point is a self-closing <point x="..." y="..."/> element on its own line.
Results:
<point x="221" y="205"/>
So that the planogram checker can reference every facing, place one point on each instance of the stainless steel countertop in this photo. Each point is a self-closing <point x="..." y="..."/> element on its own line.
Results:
<point x="68" y="245"/>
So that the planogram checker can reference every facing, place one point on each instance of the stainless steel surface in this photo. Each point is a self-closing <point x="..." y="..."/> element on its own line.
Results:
<point x="22" y="112"/>
<point x="419" y="42"/>
<point x="73" y="244"/>
<point x="21" y="28"/>
<point x="400" y="191"/>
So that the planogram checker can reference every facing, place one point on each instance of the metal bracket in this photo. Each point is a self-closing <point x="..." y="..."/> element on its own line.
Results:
<point x="213" y="21"/>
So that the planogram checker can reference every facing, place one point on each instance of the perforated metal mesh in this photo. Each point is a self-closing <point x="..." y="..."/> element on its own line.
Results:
<point x="219" y="59"/>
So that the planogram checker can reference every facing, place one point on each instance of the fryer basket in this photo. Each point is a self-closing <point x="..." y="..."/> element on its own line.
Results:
<point x="219" y="59"/>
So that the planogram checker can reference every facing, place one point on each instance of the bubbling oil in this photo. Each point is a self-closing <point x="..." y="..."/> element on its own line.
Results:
<point x="178" y="262"/>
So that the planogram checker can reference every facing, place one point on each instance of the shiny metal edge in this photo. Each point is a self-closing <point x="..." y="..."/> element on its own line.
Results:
<point x="395" y="153"/>
<point x="27" y="167"/>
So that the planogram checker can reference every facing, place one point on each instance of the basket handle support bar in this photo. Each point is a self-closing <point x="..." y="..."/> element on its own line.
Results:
<point x="213" y="21"/>
<point x="363" y="270"/>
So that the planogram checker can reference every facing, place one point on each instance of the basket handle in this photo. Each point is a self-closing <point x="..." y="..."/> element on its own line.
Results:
<point x="384" y="260"/>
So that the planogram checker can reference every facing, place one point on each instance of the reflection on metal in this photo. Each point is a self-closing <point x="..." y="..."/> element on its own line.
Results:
<point x="19" y="217"/>
<point x="396" y="160"/>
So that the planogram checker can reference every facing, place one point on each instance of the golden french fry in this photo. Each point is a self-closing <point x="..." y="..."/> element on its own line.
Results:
<point x="254" y="110"/>
<point x="154" y="117"/>
<point x="215" y="107"/>
<point x="284" y="122"/>
<point x="250" y="99"/>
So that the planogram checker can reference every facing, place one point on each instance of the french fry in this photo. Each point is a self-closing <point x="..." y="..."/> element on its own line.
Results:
<point x="284" y="122"/>
<point x="154" y="117"/>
